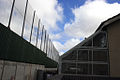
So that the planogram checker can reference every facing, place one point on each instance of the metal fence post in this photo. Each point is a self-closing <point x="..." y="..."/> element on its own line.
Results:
<point x="51" y="48"/>
<point x="24" y="18"/>
<point x="48" y="47"/>
<point x="38" y="32"/>
<point x="32" y="26"/>
<point x="13" y="4"/>
<point x="47" y="44"/>
<point x="41" y="37"/>
<point x="45" y="41"/>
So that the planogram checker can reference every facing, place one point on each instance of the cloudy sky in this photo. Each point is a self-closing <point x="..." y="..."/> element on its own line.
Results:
<point x="70" y="21"/>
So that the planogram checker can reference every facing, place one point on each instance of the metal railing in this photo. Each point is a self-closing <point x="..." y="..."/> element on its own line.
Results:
<point x="19" y="17"/>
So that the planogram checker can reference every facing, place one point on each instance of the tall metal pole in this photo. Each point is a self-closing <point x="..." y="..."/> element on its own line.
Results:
<point x="53" y="52"/>
<point x="24" y="18"/>
<point x="51" y="48"/>
<point x="47" y="44"/>
<point x="45" y="41"/>
<point x="32" y="26"/>
<point x="38" y="32"/>
<point x="48" y="47"/>
<point x="13" y="4"/>
<point x="41" y="37"/>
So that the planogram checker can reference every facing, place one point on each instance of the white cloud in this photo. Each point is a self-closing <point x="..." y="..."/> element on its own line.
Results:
<point x="89" y="16"/>
<point x="55" y="36"/>
<point x="5" y="8"/>
<point x="58" y="45"/>
<point x="70" y="43"/>
<point x="50" y="11"/>
<point x="61" y="53"/>
<point x="66" y="46"/>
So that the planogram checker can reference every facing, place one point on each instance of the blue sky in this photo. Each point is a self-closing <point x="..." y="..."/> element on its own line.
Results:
<point x="70" y="21"/>
<point x="71" y="4"/>
<point x="68" y="5"/>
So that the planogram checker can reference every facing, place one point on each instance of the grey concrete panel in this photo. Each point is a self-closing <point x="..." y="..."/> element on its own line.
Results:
<point x="1" y="68"/>
<point x="33" y="72"/>
<point x="9" y="72"/>
<point x="27" y="72"/>
<point x="20" y="72"/>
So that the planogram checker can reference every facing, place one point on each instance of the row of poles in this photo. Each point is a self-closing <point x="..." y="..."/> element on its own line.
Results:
<point x="46" y="43"/>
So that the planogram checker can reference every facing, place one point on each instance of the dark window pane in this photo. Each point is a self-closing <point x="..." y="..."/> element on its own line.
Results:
<point x="69" y="68"/>
<point x="100" y="56"/>
<point x="71" y="56"/>
<point x="100" y="40"/>
<point x="88" y="43"/>
<point x="90" y="55"/>
<point x="100" y="69"/>
<point x="82" y="68"/>
<point x="89" y="69"/>
<point x="83" y="55"/>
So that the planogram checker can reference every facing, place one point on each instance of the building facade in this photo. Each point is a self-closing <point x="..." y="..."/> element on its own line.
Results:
<point x="97" y="55"/>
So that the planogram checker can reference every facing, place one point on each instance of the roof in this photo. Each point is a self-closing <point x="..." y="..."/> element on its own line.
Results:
<point x="102" y="25"/>
<point x="109" y="21"/>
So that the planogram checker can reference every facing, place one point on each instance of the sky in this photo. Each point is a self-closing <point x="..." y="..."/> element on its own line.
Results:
<point x="69" y="21"/>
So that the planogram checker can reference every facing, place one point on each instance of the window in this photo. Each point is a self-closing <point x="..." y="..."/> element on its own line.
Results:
<point x="82" y="68"/>
<point x="90" y="55"/>
<point x="100" y="56"/>
<point x="88" y="43"/>
<point x="69" y="68"/>
<point x="100" y="40"/>
<point x="83" y="55"/>
<point x="71" y="56"/>
<point x="100" y="69"/>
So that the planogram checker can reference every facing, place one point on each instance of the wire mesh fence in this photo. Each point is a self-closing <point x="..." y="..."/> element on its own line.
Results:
<point x="19" y="16"/>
